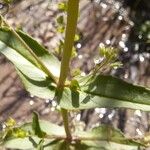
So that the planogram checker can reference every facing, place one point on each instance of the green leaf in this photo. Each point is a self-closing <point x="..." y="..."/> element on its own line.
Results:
<point x="47" y="127"/>
<point x="7" y="1"/>
<point x="43" y="89"/>
<point x="61" y="145"/>
<point x="105" y="91"/>
<point x="99" y="138"/>
<point x="49" y="60"/>
<point x="62" y="6"/>
<point x="104" y="145"/>
<point x="50" y="129"/>
<point x="74" y="85"/>
<point x="107" y="133"/>
<point x="106" y="137"/>
<point x="10" y="43"/>
<point x="19" y="143"/>
<point x="35" y="79"/>
<point x="26" y="144"/>
<point x="36" y="126"/>
<point x="112" y="87"/>
<point x="10" y="122"/>
<point x="22" y="63"/>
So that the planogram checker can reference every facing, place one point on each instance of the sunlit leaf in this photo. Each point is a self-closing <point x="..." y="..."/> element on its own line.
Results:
<point x="47" y="127"/>
<point x="106" y="137"/>
<point x="106" y="91"/>
<point x="19" y="143"/>
<point x="35" y="79"/>
<point x="33" y="141"/>
<point x="10" y="43"/>
<point x="62" y="6"/>
<point x="104" y="145"/>
<point x="10" y="122"/>
<point x="99" y="138"/>
<point x="50" y="61"/>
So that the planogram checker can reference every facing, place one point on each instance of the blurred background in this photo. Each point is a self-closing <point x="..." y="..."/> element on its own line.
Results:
<point x="123" y="24"/>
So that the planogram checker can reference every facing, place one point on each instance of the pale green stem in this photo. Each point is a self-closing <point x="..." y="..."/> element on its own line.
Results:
<point x="72" y="16"/>
<point x="64" y="113"/>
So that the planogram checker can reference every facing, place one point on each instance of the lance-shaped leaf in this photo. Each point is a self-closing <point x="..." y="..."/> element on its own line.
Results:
<point x="44" y="89"/>
<point x="112" y="87"/>
<point x="106" y="137"/>
<point x="104" y="145"/>
<point x="106" y="91"/>
<point x="99" y="138"/>
<point x="49" y="60"/>
<point x="33" y="142"/>
<point x="9" y="39"/>
<point x="36" y="80"/>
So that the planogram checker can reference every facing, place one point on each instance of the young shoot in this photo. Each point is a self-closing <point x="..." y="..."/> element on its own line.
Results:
<point x="107" y="59"/>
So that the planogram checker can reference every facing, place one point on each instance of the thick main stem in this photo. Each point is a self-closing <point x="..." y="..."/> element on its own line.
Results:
<point x="72" y="16"/>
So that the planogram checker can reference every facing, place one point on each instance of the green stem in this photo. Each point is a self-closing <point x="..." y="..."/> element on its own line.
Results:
<point x="64" y="113"/>
<point x="72" y="16"/>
